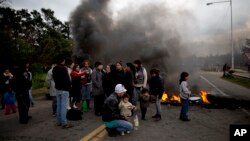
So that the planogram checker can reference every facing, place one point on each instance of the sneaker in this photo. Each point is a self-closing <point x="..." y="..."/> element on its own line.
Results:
<point x="122" y="133"/>
<point x="127" y="132"/>
<point x="67" y="126"/>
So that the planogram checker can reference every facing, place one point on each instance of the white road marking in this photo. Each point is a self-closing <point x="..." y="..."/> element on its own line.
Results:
<point x="221" y="92"/>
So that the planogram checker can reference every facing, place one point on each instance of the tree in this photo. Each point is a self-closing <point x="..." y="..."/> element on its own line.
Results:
<point x="26" y="35"/>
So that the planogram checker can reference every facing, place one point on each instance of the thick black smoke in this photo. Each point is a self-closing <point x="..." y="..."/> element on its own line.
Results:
<point x="148" y="32"/>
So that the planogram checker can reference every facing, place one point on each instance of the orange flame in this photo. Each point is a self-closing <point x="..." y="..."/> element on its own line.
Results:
<point x="176" y="98"/>
<point x="203" y="95"/>
<point x="164" y="97"/>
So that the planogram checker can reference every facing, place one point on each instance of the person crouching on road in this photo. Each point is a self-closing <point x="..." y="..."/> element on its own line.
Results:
<point x="184" y="94"/>
<point x="125" y="106"/>
<point x="111" y="113"/>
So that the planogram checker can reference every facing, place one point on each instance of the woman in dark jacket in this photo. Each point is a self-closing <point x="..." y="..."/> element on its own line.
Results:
<point x="97" y="88"/>
<point x="129" y="79"/>
<point x="119" y="74"/>
<point x="156" y="88"/>
<point x="109" y="80"/>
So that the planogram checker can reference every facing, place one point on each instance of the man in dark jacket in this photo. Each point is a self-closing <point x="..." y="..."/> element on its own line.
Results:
<point x="111" y="113"/>
<point x="156" y="88"/>
<point x="62" y="85"/>
<point x="21" y="87"/>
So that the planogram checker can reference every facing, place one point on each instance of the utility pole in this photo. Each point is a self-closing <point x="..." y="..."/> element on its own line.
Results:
<point x="231" y="9"/>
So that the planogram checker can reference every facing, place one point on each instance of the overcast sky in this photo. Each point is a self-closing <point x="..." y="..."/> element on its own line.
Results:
<point x="208" y="28"/>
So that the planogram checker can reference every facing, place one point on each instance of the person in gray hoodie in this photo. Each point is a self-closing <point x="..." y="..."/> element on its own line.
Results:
<point x="184" y="94"/>
<point x="97" y="89"/>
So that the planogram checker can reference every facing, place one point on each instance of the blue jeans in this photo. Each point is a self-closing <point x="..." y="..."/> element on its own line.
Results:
<point x="184" y="109"/>
<point x="62" y="100"/>
<point x="54" y="103"/>
<point x="136" y="93"/>
<point x="30" y="96"/>
<point x="121" y="125"/>
<point x="86" y="92"/>
<point x="158" y="105"/>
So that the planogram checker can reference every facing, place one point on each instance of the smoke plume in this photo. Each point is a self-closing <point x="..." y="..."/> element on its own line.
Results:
<point x="147" y="32"/>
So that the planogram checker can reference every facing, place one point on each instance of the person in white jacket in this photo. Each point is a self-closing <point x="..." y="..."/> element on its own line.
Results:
<point x="184" y="94"/>
<point x="52" y="90"/>
<point x="140" y="81"/>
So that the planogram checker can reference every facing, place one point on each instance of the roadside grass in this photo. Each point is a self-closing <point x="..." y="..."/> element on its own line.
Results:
<point x="38" y="80"/>
<point x="238" y="80"/>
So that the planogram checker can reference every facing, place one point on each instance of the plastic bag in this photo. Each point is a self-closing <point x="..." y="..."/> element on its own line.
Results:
<point x="136" y="123"/>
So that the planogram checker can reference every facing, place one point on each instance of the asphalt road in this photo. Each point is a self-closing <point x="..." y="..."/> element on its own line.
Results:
<point x="42" y="126"/>
<point x="212" y="82"/>
<point x="206" y="124"/>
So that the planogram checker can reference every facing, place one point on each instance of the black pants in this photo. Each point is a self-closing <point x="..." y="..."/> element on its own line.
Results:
<point x="23" y="110"/>
<point x="143" y="112"/>
<point x="2" y="100"/>
<point x="98" y="103"/>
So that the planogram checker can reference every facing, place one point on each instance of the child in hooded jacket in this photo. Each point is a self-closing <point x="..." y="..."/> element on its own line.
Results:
<point x="125" y="106"/>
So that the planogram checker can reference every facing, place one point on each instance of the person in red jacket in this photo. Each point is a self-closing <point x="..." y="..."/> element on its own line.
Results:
<point x="76" y="86"/>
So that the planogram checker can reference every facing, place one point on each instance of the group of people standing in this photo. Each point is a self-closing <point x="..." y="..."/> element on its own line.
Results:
<point x="116" y="90"/>
<point x="16" y="87"/>
<point x="72" y="84"/>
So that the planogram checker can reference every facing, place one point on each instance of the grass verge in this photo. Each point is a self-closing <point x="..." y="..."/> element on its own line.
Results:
<point x="238" y="80"/>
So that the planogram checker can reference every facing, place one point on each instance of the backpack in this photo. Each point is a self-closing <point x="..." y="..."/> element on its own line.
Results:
<point x="74" y="114"/>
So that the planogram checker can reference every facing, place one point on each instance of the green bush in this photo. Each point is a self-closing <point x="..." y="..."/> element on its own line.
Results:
<point x="37" y="68"/>
<point x="38" y="80"/>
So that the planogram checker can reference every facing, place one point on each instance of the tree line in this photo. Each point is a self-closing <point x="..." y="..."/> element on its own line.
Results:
<point x="32" y="36"/>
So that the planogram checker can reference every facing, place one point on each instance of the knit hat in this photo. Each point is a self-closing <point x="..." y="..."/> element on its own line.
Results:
<point x="119" y="88"/>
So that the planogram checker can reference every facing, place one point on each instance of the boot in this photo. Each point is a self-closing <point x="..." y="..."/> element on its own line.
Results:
<point x="88" y="104"/>
<point x="155" y="116"/>
<point x="158" y="118"/>
<point x="111" y="132"/>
